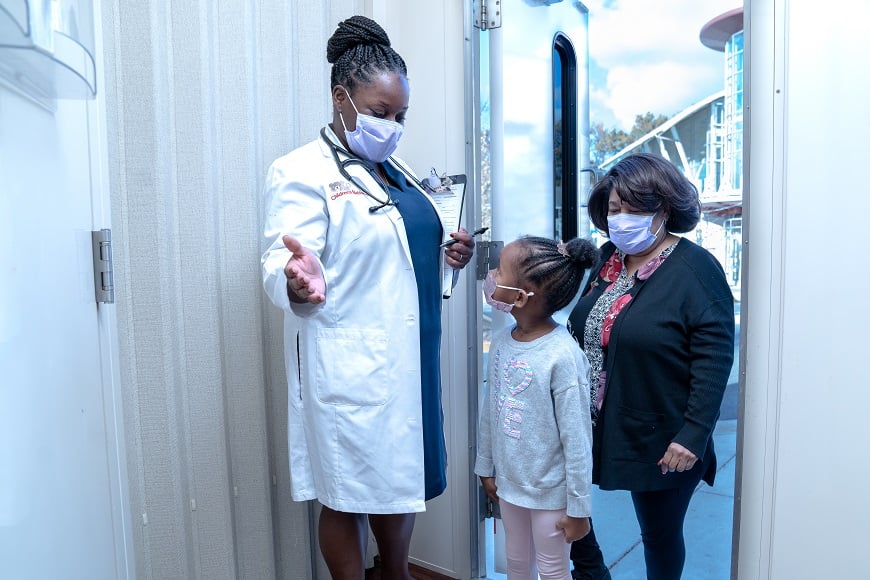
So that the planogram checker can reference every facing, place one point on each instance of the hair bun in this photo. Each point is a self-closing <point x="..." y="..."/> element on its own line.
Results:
<point x="352" y="32"/>
<point x="583" y="252"/>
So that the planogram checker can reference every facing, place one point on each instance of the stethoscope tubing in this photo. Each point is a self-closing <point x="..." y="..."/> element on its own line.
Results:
<point x="352" y="159"/>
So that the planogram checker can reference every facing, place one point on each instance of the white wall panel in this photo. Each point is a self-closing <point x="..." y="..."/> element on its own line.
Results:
<point x="825" y="315"/>
<point x="201" y="97"/>
<point x="803" y="508"/>
<point x="61" y="486"/>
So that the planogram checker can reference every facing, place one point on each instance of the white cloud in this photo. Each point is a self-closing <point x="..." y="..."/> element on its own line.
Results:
<point x="663" y="88"/>
<point x="536" y="79"/>
<point x="651" y="56"/>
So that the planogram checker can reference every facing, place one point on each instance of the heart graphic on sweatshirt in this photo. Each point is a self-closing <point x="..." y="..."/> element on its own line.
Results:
<point x="517" y="371"/>
<point x="516" y="376"/>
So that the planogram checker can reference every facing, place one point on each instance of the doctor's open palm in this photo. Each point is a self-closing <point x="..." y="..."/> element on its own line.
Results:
<point x="305" y="281"/>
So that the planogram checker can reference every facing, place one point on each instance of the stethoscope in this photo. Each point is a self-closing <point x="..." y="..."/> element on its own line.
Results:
<point x="351" y="159"/>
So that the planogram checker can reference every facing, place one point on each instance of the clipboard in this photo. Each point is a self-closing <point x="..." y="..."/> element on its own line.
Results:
<point x="448" y="194"/>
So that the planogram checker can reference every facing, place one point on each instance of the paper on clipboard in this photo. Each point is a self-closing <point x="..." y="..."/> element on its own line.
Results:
<point x="449" y="197"/>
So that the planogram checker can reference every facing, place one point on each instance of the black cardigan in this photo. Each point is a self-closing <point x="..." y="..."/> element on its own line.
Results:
<point x="667" y="363"/>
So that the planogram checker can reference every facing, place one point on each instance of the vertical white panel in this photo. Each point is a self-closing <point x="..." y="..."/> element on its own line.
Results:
<point x="142" y="186"/>
<point x="234" y="126"/>
<point x="824" y="383"/>
<point x="277" y="101"/>
<point x="762" y="289"/>
<point x="61" y="487"/>
<point x="803" y="511"/>
<point x="56" y="480"/>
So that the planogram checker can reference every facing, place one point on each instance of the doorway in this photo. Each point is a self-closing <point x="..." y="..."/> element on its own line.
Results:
<point x="525" y="160"/>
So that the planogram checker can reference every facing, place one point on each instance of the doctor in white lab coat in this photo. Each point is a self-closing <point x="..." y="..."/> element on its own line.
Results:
<point x="354" y="261"/>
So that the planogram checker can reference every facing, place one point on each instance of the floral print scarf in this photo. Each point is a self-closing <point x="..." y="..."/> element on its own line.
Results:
<point x="599" y="323"/>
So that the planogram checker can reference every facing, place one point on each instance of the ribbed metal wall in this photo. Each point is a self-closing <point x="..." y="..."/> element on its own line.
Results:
<point x="201" y="96"/>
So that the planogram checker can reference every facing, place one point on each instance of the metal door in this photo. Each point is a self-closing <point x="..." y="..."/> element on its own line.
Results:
<point x="535" y="120"/>
<point x="61" y="449"/>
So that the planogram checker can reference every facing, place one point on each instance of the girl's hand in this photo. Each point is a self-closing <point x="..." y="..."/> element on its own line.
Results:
<point x="573" y="528"/>
<point x="305" y="281"/>
<point x="677" y="458"/>
<point x="459" y="254"/>
<point x="489" y="487"/>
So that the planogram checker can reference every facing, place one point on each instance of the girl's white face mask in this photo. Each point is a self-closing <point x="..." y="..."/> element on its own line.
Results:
<point x="489" y="287"/>
<point x="373" y="139"/>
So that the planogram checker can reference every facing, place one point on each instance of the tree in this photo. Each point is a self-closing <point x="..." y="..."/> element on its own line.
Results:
<point x="607" y="142"/>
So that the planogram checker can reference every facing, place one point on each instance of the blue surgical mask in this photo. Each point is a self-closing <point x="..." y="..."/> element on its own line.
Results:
<point x="373" y="139"/>
<point x="631" y="233"/>
<point x="489" y="287"/>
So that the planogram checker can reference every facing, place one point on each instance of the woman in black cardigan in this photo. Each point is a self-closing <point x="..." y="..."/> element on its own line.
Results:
<point x="657" y="324"/>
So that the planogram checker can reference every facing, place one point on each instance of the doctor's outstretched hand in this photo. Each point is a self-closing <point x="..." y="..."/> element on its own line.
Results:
<point x="459" y="254"/>
<point x="305" y="281"/>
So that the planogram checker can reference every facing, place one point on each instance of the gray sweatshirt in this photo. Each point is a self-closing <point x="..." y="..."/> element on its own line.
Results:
<point x="535" y="429"/>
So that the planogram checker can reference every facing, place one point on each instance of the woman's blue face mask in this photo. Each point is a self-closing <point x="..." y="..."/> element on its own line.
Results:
<point x="631" y="233"/>
<point x="373" y="139"/>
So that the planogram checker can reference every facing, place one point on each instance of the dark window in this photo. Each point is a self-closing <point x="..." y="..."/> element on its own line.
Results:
<point x="565" y="147"/>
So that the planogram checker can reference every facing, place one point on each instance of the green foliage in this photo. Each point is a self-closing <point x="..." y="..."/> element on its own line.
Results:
<point x="606" y="142"/>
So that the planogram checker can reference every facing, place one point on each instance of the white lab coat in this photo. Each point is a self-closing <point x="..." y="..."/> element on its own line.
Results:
<point x="353" y="362"/>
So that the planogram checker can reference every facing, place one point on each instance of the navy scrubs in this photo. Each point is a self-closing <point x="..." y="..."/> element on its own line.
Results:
<point x="423" y="230"/>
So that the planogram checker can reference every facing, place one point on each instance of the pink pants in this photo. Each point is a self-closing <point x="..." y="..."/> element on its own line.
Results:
<point x="531" y="537"/>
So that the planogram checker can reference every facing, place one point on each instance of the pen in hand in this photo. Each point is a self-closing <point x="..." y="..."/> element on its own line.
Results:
<point x="474" y="234"/>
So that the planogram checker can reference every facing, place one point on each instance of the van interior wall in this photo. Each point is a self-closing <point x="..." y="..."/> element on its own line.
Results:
<point x="201" y="97"/>
<point x="803" y="503"/>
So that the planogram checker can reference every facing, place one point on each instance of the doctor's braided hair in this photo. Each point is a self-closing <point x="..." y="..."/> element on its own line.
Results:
<point x="358" y="49"/>
<point x="555" y="268"/>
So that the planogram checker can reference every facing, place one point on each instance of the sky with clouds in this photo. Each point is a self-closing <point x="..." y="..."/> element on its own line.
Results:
<point x="646" y="56"/>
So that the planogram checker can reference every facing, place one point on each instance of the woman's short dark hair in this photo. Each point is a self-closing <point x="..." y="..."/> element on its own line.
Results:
<point x="649" y="183"/>
<point x="358" y="50"/>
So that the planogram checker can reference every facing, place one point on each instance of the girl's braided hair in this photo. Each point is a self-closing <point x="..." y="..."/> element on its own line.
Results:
<point x="358" y="49"/>
<point x="556" y="268"/>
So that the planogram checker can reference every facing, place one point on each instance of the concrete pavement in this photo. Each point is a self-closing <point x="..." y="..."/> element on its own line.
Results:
<point x="707" y="529"/>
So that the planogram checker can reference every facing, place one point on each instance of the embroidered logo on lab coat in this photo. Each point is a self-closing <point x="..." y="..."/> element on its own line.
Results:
<point x="340" y="188"/>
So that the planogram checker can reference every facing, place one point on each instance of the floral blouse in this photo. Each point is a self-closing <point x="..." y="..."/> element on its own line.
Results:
<point x="599" y="323"/>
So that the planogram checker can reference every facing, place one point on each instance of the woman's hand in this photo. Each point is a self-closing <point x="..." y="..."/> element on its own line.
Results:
<point x="459" y="254"/>
<point x="573" y="528"/>
<point x="490" y="487"/>
<point x="305" y="281"/>
<point x="677" y="458"/>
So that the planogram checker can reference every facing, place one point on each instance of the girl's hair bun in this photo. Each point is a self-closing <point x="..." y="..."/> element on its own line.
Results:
<point x="352" y="32"/>
<point x="582" y="251"/>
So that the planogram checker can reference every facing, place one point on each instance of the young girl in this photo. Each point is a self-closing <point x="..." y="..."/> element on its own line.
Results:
<point x="535" y="439"/>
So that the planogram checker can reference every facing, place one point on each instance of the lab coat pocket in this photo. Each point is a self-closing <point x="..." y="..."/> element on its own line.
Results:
<point x="351" y="366"/>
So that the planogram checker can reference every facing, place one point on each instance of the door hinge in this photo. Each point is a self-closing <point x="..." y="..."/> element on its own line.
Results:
<point x="487" y="14"/>
<point x="104" y="282"/>
<point x="487" y="257"/>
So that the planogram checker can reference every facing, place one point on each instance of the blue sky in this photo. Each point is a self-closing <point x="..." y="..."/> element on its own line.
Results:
<point x="646" y="56"/>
